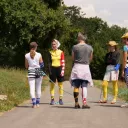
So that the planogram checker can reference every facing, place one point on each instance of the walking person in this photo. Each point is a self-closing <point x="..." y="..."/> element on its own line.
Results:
<point x="33" y="61"/>
<point x="56" y="70"/>
<point x="112" y="71"/>
<point x="125" y="62"/>
<point x="80" y="76"/>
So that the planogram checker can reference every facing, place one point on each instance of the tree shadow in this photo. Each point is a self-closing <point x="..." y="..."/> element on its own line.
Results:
<point x="69" y="107"/>
<point x="28" y="106"/>
<point x="108" y="105"/>
<point x="45" y="103"/>
<point x="94" y="102"/>
<point x="24" y="106"/>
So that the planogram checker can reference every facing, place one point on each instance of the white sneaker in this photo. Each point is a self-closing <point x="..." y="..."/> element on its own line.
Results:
<point x="124" y="105"/>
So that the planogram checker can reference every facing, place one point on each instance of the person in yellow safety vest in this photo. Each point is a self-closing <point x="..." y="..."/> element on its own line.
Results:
<point x="56" y="70"/>
<point x="112" y="71"/>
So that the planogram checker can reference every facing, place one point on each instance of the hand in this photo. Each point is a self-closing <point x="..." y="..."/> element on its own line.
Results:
<point x="122" y="74"/>
<point x="62" y="73"/>
<point x="117" y="67"/>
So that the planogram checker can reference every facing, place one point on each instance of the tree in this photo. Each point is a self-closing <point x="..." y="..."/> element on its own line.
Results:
<point x="24" y="21"/>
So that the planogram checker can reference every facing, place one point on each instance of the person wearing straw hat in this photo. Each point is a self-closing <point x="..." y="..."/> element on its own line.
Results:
<point x="81" y="76"/>
<point x="125" y="61"/>
<point x="33" y="60"/>
<point x="56" y="70"/>
<point x="112" y="71"/>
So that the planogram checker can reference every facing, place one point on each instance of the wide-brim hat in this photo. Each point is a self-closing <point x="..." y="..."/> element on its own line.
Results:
<point x="112" y="43"/>
<point x="125" y="35"/>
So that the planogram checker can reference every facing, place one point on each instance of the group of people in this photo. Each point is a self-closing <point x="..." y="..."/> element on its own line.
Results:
<point x="82" y="55"/>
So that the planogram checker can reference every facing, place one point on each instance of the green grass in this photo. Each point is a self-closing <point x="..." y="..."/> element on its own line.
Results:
<point x="13" y="84"/>
<point x="68" y="67"/>
<point x="122" y="93"/>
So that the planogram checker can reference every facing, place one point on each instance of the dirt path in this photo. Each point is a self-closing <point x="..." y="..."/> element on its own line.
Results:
<point x="99" y="116"/>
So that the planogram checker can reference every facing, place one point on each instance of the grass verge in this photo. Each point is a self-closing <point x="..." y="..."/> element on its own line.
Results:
<point x="13" y="83"/>
<point x="122" y="92"/>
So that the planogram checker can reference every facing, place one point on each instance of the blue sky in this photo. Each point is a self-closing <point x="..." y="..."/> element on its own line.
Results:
<point x="112" y="11"/>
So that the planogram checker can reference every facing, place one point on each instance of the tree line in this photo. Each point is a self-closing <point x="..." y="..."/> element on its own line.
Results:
<point x="23" y="21"/>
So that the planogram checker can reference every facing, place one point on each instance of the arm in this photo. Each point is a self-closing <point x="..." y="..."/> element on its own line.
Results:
<point x="62" y="63"/>
<point x="115" y="59"/>
<point x="26" y="63"/>
<point x="91" y="56"/>
<point x="72" y="55"/>
<point x="124" y="60"/>
<point x="41" y="62"/>
<point x="49" y="62"/>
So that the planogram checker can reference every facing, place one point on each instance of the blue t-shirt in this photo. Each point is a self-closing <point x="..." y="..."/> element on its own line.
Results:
<point x="125" y="48"/>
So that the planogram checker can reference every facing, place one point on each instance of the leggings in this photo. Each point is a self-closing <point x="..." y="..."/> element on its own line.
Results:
<point x="35" y="85"/>
<point x="115" y="89"/>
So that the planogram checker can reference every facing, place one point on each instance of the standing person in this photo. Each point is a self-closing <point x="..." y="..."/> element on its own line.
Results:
<point x="56" y="70"/>
<point x="112" y="71"/>
<point x="34" y="60"/>
<point x="80" y="76"/>
<point x="125" y="61"/>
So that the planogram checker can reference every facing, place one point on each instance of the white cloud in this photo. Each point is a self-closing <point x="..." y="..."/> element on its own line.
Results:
<point x="112" y="11"/>
<point x="104" y="14"/>
<point x="89" y="10"/>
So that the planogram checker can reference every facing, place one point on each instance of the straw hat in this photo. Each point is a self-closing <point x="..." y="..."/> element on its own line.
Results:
<point x="112" y="43"/>
<point x="125" y="35"/>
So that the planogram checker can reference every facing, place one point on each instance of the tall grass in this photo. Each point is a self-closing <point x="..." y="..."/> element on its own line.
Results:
<point x="13" y="83"/>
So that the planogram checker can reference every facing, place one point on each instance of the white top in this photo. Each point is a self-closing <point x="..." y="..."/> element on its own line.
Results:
<point x="33" y="63"/>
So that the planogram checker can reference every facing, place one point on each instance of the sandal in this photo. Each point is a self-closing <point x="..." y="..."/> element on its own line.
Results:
<point x="103" y="101"/>
<point x="113" y="101"/>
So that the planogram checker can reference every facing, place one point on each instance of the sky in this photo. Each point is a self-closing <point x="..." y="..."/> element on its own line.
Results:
<point x="111" y="11"/>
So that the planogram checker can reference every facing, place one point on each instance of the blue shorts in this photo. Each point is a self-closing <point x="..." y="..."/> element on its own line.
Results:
<point x="79" y="83"/>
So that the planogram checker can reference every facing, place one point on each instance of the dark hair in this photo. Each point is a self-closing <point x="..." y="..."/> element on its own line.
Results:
<point x="33" y="45"/>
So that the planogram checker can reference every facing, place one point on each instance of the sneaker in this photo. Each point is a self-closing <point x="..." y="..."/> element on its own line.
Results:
<point x="37" y="105"/>
<point x="85" y="107"/>
<point x="34" y="106"/>
<point x="52" y="102"/>
<point x="61" y="102"/>
<point x="124" y="106"/>
<point x="77" y="106"/>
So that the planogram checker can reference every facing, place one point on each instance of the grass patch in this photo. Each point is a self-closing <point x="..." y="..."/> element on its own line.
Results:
<point x="13" y="83"/>
<point x="68" y="67"/>
<point x="122" y="93"/>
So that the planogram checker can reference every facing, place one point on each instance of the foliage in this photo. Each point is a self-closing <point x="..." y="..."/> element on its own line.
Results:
<point x="24" y="21"/>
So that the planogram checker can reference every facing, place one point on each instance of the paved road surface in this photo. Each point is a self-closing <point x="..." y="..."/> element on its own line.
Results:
<point x="99" y="116"/>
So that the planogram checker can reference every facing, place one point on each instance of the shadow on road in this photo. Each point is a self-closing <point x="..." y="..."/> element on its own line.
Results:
<point x="107" y="105"/>
<point x="69" y="107"/>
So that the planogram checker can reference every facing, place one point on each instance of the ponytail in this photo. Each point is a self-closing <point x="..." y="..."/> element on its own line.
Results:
<point x="32" y="53"/>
